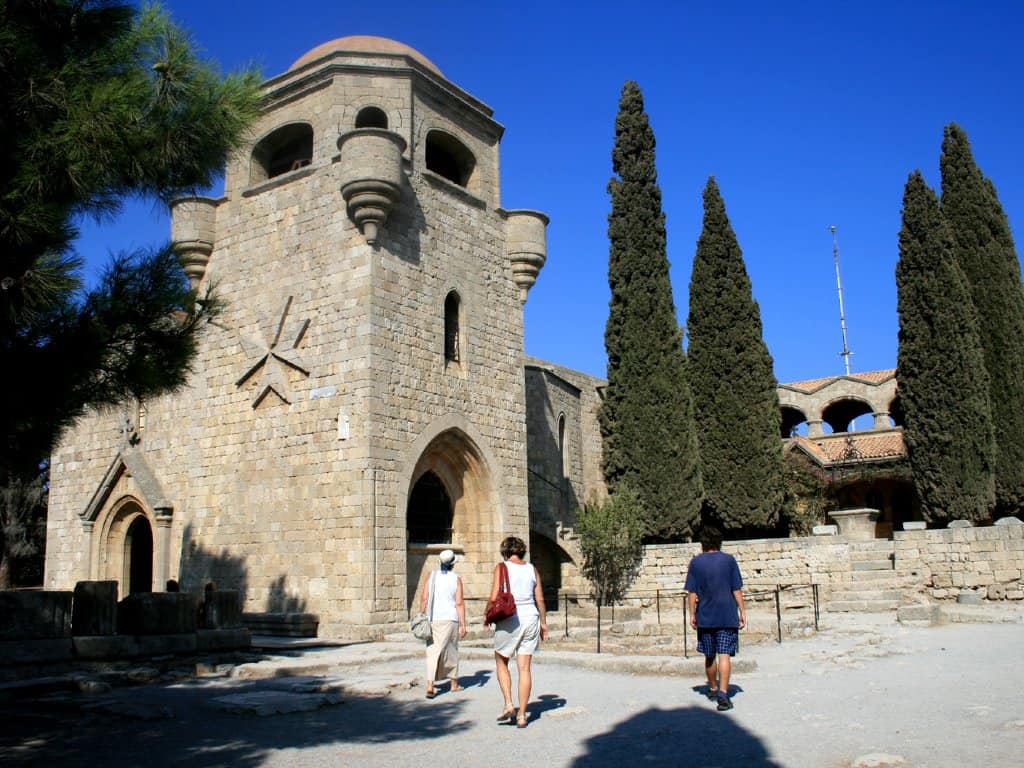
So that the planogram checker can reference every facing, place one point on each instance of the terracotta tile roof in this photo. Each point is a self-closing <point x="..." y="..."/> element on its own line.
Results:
<point x="870" y="445"/>
<point x="871" y="377"/>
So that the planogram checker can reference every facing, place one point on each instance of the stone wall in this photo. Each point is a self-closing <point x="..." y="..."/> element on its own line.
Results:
<point x="941" y="564"/>
<point x="763" y="562"/>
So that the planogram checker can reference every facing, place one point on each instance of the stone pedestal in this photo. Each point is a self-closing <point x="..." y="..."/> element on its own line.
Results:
<point x="94" y="610"/>
<point x="856" y="524"/>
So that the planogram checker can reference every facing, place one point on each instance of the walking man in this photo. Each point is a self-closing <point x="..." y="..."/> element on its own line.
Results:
<point x="715" y="601"/>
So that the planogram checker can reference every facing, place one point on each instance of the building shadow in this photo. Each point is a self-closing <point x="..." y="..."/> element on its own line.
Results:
<point x="685" y="736"/>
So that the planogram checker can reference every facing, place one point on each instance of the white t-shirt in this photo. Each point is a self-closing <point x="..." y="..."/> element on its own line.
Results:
<point x="522" y="578"/>
<point x="445" y="586"/>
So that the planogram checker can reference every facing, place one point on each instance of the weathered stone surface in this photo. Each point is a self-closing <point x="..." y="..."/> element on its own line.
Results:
<point x="825" y="530"/>
<point x="264" y="703"/>
<point x="30" y="615"/>
<point x="221" y="610"/>
<point x="960" y="524"/>
<point x="222" y="639"/>
<point x="1009" y="520"/>
<point x="157" y="613"/>
<point x="878" y="760"/>
<point x="915" y="525"/>
<point x="94" y="609"/>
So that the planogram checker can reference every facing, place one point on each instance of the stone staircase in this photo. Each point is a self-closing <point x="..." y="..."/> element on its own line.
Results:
<point x="872" y="586"/>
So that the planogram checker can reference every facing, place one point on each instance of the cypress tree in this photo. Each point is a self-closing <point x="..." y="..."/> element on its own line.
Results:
<point x="735" y="396"/>
<point x="983" y="247"/>
<point x="646" y="417"/>
<point x="940" y="368"/>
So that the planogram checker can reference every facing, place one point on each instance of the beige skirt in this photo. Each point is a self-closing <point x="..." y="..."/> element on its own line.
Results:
<point x="443" y="651"/>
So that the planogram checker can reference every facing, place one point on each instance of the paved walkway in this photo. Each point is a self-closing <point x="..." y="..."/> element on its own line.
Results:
<point x="864" y="692"/>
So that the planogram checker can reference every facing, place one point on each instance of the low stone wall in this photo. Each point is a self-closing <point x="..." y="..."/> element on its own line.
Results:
<point x="763" y="562"/>
<point x="943" y="564"/>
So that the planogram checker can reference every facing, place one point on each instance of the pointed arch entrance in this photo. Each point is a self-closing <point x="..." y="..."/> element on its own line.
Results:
<point x="450" y="504"/>
<point x="126" y="551"/>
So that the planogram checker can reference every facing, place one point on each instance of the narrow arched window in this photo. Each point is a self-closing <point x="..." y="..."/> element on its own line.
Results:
<point x="563" y="446"/>
<point x="288" y="148"/>
<point x="371" y="117"/>
<point x="451" y="328"/>
<point x="448" y="157"/>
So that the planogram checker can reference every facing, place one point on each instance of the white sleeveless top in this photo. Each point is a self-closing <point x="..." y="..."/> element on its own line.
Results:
<point x="522" y="578"/>
<point x="445" y="585"/>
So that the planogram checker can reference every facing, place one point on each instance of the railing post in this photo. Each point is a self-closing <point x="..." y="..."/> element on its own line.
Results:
<point x="599" y="625"/>
<point x="814" y="591"/>
<point x="567" y="614"/>
<point x="778" y="610"/>
<point x="657" y="602"/>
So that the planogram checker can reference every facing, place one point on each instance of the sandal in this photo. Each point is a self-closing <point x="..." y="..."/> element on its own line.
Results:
<point x="431" y="694"/>
<point x="506" y="714"/>
<point x="521" y="721"/>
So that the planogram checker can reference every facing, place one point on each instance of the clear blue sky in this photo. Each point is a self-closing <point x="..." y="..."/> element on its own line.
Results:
<point x="808" y="115"/>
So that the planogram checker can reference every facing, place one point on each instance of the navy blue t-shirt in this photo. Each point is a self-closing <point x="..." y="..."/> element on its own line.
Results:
<point x="714" y="576"/>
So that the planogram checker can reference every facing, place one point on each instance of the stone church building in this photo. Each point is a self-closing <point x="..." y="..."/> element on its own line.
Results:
<point x="363" y="401"/>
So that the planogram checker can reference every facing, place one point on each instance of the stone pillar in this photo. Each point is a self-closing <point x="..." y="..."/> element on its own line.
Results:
<point x="881" y="420"/>
<point x="162" y="547"/>
<point x="856" y="524"/>
<point x="814" y="428"/>
<point x="87" y="526"/>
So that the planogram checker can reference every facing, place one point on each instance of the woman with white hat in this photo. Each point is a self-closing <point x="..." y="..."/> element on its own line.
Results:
<point x="447" y="613"/>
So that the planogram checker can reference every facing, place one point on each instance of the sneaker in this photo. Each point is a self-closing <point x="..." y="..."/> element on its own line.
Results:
<point x="724" y="703"/>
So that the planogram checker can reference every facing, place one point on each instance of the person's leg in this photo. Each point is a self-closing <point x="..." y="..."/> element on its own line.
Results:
<point x="505" y="683"/>
<point x="724" y="670"/>
<point x="711" y="670"/>
<point x="525" y="684"/>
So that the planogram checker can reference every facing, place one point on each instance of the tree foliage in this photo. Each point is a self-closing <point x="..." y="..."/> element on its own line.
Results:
<point x="646" y="417"/>
<point x="735" y="396"/>
<point x="99" y="101"/>
<point x="984" y="249"/>
<point x="940" y="368"/>
<point x="611" y="535"/>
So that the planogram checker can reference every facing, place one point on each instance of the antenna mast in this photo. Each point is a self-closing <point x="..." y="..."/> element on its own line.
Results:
<point x="845" y="354"/>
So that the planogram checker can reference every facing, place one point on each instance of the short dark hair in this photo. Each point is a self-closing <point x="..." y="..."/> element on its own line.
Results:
<point x="710" y="537"/>
<point x="512" y="545"/>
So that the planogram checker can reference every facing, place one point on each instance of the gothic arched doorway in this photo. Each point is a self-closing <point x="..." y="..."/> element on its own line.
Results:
<point x="450" y="505"/>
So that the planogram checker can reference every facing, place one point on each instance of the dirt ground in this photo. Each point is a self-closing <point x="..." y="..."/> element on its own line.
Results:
<point x="865" y="692"/>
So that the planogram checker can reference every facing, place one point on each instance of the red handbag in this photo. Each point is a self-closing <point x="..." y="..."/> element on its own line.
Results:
<point x="504" y="605"/>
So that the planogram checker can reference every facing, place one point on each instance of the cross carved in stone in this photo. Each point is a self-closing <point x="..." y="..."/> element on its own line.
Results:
<point x="274" y="354"/>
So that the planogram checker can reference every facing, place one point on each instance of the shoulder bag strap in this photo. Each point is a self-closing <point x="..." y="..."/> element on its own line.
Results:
<point x="506" y="584"/>
<point x="430" y="600"/>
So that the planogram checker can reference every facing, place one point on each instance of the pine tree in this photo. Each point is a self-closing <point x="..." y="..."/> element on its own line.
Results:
<point x="735" y="397"/>
<point x="940" y="368"/>
<point x="99" y="101"/>
<point x="984" y="249"/>
<point x="646" y="418"/>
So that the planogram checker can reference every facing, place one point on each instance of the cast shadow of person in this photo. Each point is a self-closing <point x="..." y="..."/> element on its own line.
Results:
<point x="685" y="736"/>
<point x="477" y="680"/>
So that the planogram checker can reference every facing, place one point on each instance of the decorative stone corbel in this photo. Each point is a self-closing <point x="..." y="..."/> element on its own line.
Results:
<point x="193" y="221"/>
<point x="526" y="246"/>
<point x="370" y="176"/>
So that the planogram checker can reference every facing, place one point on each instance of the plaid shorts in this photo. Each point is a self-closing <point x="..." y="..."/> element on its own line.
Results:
<point x="717" y="640"/>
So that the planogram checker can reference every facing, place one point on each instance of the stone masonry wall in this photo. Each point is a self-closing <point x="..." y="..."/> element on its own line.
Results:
<point x="940" y="564"/>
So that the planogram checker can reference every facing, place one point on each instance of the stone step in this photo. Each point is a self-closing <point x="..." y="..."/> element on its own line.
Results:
<point x="871" y="554"/>
<point x="862" y="606"/>
<point x="872" y="565"/>
<point x="847" y="595"/>
<point x="873" y="576"/>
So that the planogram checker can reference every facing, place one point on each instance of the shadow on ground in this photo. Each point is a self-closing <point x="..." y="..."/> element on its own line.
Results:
<point x="182" y="724"/>
<point x="686" y="736"/>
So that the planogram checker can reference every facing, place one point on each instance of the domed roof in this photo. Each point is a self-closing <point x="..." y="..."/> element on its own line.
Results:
<point x="365" y="44"/>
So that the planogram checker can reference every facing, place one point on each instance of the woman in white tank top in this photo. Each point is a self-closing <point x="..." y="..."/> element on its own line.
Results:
<point x="520" y="634"/>
<point x="447" y="623"/>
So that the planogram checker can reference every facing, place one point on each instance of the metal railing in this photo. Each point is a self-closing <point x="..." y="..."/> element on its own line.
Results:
<point x="660" y="597"/>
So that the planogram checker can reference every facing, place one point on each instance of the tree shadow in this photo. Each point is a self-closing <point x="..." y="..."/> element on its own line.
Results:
<point x="280" y="601"/>
<point x="654" y="736"/>
<point x="198" y="567"/>
<point x="185" y="724"/>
